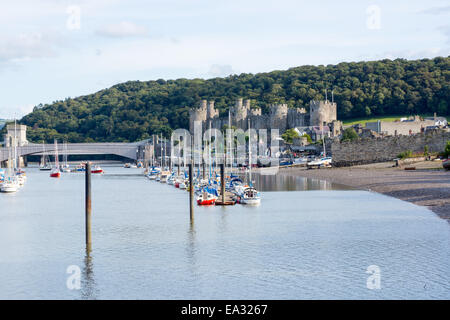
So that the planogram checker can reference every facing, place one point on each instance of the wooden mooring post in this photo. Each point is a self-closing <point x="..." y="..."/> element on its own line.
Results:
<point x="88" y="204"/>
<point x="191" y="191"/>
<point x="222" y="182"/>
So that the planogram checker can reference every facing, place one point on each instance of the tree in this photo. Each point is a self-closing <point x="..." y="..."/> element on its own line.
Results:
<point x="130" y="110"/>
<point x="446" y="152"/>
<point x="290" y="135"/>
<point x="349" y="134"/>
<point x="308" y="137"/>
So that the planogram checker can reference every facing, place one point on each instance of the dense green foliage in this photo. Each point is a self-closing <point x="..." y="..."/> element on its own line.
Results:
<point x="446" y="152"/>
<point x="405" y="154"/>
<point x="349" y="134"/>
<point x="290" y="135"/>
<point x="308" y="137"/>
<point x="135" y="110"/>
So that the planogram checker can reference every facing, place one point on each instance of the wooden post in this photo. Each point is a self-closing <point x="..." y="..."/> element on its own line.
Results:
<point x="222" y="181"/>
<point x="88" y="207"/>
<point x="191" y="191"/>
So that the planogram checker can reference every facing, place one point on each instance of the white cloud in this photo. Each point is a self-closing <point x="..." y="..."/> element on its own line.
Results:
<point x="122" y="30"/>
<point x="26" y="46"/>
<point x="220" y="70"/>
<point x="436" y="10"/>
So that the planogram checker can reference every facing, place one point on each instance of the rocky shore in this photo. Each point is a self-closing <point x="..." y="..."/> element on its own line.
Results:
<point x="428" y="185"/>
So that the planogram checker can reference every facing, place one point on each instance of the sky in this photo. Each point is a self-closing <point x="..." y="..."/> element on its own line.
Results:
<point x="54" y="49"/>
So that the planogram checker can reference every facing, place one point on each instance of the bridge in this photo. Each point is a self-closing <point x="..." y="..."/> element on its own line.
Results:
<point x="128" y="150"/>
<point x="16" y="135"/>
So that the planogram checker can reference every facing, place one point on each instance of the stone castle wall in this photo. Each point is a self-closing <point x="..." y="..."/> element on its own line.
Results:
<point x="372" y="150"/>
<point x="280" y="117"/>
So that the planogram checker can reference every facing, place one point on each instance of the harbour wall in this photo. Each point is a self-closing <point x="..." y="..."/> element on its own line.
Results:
<point x="371" y="150"/>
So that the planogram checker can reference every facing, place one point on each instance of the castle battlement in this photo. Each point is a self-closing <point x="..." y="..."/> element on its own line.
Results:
<point x="280" y="115"/>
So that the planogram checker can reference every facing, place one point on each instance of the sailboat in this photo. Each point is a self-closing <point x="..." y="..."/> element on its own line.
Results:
<point x="10" y="183"/>
<point x="45" y="160"/>
<point x="249" y="194"/>
<point x="56" y="173"/>
<point x="65" y="166"/>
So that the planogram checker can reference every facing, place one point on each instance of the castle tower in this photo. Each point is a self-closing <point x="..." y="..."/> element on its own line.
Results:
<point x="198" y="114"/>
<point x="239" y="114"/>
<point x="322" y="112"/>
<point x="211" y="111"/>
<point x="278" y="117"/>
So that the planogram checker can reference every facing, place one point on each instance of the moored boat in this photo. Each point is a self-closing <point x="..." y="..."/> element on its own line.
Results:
<point x="250" y="196"/>
<point x="97" y="170"/>
<point x="446" y="164"/>
<point x="206" y="199"/>
<point x="55" y="173"/>
<point x="9" y="186"/>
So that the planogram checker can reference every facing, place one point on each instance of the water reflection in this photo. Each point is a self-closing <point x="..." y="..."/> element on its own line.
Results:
<point x="88" y="285"/>
<point x="267" y="183"/>
<point x="191" y="246"/>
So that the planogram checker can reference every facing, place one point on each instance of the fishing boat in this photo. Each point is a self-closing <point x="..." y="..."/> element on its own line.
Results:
<point x="56" y="173"/>
<point x="97" y="169"/>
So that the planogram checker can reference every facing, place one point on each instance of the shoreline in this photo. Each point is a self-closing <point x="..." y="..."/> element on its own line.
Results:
<point x="427" y="186"/>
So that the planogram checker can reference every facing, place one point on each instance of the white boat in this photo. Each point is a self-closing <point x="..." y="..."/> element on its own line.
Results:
<point x="45" y="160"/>
<point x="250" y="196"/>
<point x="171" y="180"/>
<point x="164" y="176"/>
<point x="322" y="162"/>
<point x="65" y="167"/>
<point x="21" y="181"/>
<point x="9" y="186"/>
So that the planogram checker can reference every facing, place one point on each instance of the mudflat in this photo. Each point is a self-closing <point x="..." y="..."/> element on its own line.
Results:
<point x="428" y="185"/>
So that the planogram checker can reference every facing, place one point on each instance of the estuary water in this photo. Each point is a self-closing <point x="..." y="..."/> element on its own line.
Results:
<point x="308" y="239"/>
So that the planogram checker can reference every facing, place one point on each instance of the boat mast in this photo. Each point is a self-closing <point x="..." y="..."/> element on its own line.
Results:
<point x="249" y="154"/>
<point x="209" y="152"/>
<point x="15" y="144"/>
<point x="230" y="143"/>
<point x="56" y="155"/>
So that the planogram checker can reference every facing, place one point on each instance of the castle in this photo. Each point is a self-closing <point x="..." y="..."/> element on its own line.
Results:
<point x="321" y="113"/>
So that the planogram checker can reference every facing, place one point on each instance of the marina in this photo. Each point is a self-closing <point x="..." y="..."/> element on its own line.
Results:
<point x="309" y="239"/>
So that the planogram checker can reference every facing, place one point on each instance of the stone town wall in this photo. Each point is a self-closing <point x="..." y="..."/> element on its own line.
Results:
<point x="372" y="150"/>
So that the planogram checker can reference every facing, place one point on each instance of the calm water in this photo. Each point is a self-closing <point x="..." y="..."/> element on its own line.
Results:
<point x="313" y="242"/>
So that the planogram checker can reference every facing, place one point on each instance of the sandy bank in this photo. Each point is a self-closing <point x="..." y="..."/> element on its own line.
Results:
<point x="428" y="185"/>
